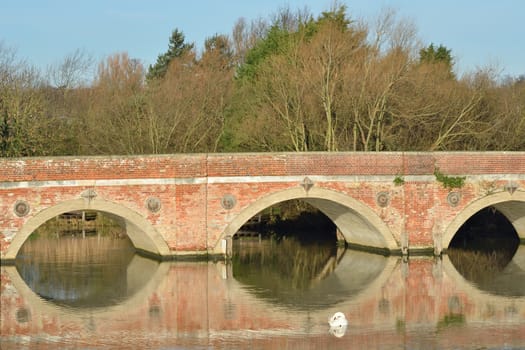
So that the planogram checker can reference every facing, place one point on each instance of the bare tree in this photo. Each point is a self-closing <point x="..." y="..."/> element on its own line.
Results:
<point x="328" y="59"/>
<point x="115" y="121"/>
<point x="26" y="129"/>
<point x="371" y="81"/>
<point x="438" y="112"/>
<point x="187" y="108"/>
<point x="73" y="71"/>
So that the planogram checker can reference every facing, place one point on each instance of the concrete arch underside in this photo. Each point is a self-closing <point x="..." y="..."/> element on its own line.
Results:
<point x="358" y="223"/>
<point x="512" y="206"/>
<point x="141" y="233"/>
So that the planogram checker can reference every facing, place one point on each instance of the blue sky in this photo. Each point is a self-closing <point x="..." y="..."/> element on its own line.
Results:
<point x="479" y="32"/>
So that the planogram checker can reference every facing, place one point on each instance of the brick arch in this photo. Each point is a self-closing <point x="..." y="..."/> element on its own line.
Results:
<point x="141" y="233"/>
<point x="512" y="206"/>
<point x="358" y="223"/>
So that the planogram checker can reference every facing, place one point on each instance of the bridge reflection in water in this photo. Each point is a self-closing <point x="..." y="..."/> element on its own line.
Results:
<point x="307" y="277"/>
<point x="389" y="302"/>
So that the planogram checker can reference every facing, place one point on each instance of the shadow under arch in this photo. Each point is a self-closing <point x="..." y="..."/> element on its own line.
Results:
<point x="512" y="206"/>
<point x="358" y="223"/>
<point x="142" y="234"/>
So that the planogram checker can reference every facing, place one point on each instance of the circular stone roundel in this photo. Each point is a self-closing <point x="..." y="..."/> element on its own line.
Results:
<point x="453" y="198"/>
<point x="21" y="208"/>
<point x="153" y="204"/>
<point x="228" y="201"/>
<point x="382" y="199"/>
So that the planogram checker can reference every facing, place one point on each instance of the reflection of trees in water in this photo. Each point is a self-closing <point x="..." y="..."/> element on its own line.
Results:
<point x="304" y="277"/>
<point x="477" y="265"/>
<point x="296" y="264"/>
<point x="492" y="271"/>
<point x="76" y="271"/>
<point x="75" y="250"/>
<point x="483" y="250"/>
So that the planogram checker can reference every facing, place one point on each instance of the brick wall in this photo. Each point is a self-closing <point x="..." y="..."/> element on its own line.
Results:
<point x="259" y="164"/>
<point x="192" y="217"/>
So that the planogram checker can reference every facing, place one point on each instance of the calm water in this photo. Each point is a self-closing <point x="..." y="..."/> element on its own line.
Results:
<point x="95" y="293"/>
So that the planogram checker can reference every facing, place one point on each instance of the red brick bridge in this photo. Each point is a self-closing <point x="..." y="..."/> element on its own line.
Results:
<point x="191" y="204"/>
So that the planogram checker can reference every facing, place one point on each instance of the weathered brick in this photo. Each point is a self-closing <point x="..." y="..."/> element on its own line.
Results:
<point x="191" y="187"/>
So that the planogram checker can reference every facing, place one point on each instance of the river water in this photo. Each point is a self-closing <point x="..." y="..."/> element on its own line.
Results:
<point x="96" y="293"/>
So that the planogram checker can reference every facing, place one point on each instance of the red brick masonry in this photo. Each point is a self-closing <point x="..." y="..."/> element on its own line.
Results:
<point x="204" y="197"/>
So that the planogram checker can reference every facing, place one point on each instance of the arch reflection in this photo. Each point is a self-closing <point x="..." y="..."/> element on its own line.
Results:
<point x="83" y="273"/>
<point x="488" y="275"/>
<point x="307" y="276"/>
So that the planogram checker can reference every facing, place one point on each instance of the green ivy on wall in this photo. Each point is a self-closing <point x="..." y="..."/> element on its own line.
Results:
<point x="449" y="182"/>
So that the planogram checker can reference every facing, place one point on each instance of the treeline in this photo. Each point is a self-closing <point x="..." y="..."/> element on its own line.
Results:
<point x="295" y="82"/>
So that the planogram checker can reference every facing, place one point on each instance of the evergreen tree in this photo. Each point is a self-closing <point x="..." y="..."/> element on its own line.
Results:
<point x="273" y="42"/>
<point x="440" y="55"/>
<point x="177" y="47"/>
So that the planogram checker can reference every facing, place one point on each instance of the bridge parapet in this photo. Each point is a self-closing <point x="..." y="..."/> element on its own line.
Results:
<point x="259" y="164"/>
